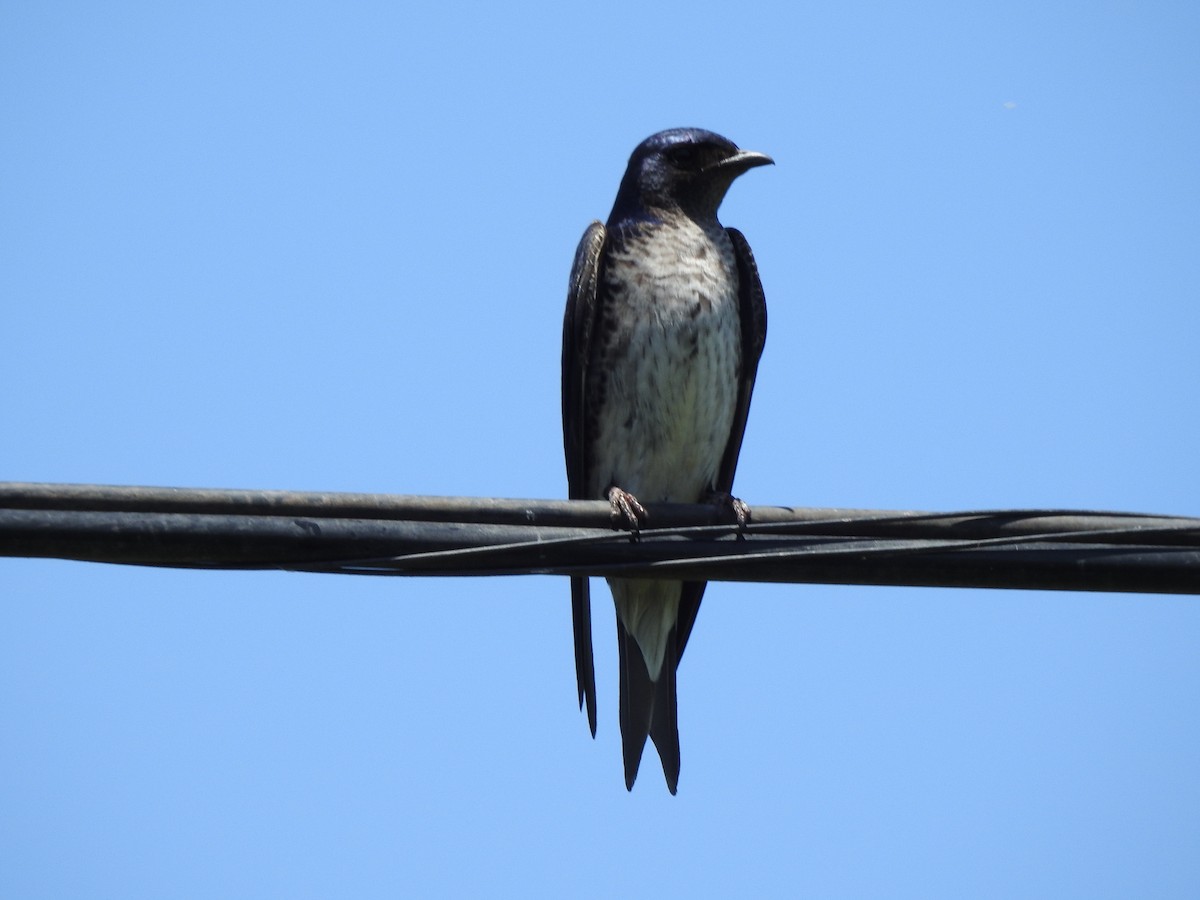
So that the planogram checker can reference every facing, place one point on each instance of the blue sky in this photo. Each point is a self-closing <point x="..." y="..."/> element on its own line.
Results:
<point x="325" y="247"/>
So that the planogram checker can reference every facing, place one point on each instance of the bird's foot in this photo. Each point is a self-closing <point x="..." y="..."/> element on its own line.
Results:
<point x="627" y="513"/>
<point x="725" y="502"/>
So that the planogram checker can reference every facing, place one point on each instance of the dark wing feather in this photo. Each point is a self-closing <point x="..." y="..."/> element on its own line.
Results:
<point x="753" y="307"/>
<point x="577" y="342"/>
<point x="752" y="303"/>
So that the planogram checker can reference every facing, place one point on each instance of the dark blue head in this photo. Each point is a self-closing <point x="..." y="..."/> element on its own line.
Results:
<point x="687" y="169"/>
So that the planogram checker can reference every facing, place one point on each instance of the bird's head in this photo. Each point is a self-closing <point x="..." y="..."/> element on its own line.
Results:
<point x="689" y="169"/>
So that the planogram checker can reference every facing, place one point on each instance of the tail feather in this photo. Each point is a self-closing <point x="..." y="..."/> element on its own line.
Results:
<point x="648" y="708"/>
<point x="664" y="723"/>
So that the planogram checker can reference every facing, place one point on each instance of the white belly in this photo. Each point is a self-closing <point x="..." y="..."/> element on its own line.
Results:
<point x="671" y="377"/>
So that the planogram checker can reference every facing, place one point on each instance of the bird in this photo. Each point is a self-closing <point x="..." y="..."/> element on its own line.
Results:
<point x="664" y="326"/>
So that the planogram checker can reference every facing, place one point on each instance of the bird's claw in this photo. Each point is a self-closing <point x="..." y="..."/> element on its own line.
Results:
<point x="738" y="508"/>
<point x="627" y="512"/>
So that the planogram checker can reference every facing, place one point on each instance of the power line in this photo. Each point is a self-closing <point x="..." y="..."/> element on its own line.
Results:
<point x="380" y="534"/>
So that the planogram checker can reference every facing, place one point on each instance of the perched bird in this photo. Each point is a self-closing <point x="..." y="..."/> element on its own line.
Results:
<point x="664" y="327"/>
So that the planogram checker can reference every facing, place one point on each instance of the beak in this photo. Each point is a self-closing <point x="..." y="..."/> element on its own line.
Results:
<point x="742" y="161"/>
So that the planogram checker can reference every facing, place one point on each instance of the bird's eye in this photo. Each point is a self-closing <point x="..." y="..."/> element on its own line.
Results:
<point x="685" y="157"/>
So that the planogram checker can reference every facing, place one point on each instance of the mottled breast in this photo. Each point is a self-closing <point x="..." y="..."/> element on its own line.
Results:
<point x="663" y="380"/>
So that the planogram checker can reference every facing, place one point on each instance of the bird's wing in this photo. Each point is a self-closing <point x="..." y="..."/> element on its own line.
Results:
<point x="577" y="344"/>
<point x="752" y="304"/>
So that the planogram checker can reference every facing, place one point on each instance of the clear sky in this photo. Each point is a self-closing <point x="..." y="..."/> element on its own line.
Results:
<point x="325" y="246"/>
